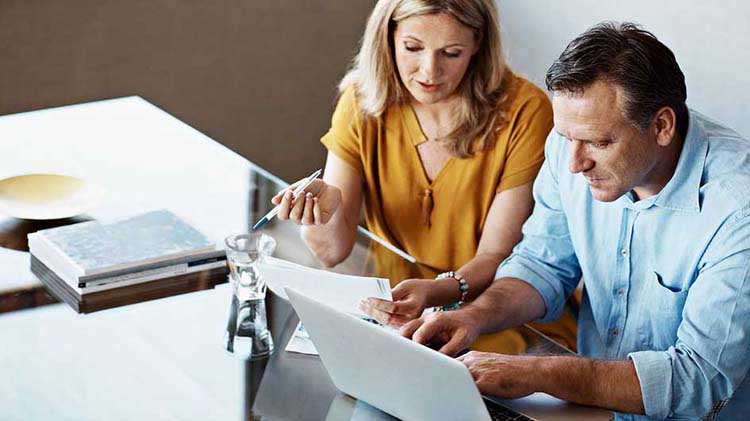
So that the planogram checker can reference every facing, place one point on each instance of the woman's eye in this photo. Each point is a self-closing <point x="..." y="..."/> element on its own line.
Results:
<point x="452" y="54"/>
<point x="412" y="48"/>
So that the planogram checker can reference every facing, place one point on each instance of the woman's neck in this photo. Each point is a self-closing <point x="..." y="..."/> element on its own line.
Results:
<point x="435" y="117"/>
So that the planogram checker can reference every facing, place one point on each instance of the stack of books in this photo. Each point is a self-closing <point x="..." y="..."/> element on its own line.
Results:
<point x="93" y="266"/>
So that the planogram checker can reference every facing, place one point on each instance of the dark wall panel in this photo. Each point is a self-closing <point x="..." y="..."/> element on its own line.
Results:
<point x="256" y="75"/>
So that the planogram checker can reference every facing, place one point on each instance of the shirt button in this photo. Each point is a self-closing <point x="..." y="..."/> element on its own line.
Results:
<point x="620" y="292"/>
<point x="614" y="332"/>
<point x="624" y="252"/>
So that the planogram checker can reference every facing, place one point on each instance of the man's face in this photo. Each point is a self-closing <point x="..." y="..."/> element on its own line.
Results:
<point x="612" y="154"/>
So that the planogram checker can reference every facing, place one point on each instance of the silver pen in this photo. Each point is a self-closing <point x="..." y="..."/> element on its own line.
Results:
<point x="295" y="194"/>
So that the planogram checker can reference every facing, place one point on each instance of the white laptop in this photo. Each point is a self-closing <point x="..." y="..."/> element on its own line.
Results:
<point x="408" y="380"/>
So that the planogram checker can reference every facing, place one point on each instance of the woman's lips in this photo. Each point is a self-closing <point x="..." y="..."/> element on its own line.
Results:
<point x="429" y="87"/>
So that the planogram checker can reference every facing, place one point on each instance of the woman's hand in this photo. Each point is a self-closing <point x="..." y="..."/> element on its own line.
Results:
<point x="314" y="206"/>
<point x="410" y="298"/>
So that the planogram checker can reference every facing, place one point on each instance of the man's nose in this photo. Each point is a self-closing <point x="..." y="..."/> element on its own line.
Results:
<point x="579" y="162"/>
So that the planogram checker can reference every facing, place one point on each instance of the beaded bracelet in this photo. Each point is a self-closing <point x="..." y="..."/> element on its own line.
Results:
<point x="463" y="286"/>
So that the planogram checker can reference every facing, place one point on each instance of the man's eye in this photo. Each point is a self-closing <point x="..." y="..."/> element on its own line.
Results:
<point x="600" y="145"/>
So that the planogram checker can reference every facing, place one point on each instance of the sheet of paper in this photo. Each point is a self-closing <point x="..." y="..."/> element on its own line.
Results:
<point x="342" y="292"/>
<point x="300" y="342"/>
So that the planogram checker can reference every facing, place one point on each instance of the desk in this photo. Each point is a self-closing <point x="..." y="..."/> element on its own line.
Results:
<point x="160" y="359"/>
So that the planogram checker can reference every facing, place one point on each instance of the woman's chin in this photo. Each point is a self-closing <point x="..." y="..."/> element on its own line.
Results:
<point x="427" y="98"/>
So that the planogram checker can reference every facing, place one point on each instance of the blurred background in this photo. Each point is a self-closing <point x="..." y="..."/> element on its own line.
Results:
<point x="260" y="76"/>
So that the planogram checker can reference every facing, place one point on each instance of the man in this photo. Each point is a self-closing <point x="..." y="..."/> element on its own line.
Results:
<point x="649" y="203"/>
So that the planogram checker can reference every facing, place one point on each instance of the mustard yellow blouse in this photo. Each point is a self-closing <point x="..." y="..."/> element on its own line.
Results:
<point x="439" y="222"/>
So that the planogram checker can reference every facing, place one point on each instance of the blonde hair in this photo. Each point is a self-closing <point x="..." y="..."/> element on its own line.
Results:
<point x="375" y="77"/>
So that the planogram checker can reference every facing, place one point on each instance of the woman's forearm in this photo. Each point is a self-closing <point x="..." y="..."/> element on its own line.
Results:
<point x="478" y="273"/>
<point x="331" y="242"/>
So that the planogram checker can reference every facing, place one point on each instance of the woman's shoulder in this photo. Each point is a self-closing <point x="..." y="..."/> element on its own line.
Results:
<point x="526" y="96"/>
<point x="348" y="99"/>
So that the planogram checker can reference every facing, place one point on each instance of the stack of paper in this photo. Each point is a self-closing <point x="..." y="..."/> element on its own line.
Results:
<point x="343" y="292"/>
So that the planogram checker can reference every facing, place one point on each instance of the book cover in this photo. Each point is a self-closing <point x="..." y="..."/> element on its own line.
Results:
<point x="91" y="248"/>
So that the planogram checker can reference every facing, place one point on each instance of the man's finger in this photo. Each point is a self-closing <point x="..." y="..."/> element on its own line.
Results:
<point x="408" y="329"/>
<point x="454" y="345"/>
<point x="427" y="331"/>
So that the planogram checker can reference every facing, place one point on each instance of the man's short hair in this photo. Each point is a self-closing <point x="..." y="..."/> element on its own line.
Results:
<point x="633" y="59"/>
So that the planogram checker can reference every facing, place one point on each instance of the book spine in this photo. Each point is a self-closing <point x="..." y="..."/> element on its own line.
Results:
<point x="171" y="270"/>
<point x="213" y="254"/>
<point x="151" y="277"/>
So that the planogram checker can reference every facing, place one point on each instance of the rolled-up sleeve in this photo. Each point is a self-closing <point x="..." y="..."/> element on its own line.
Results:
<point x="545" y="258"/>
<point x="710" y="359"/>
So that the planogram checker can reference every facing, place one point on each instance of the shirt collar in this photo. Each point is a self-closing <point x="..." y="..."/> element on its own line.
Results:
<point x="413" y="128"/>
<point x="682" y="192"/>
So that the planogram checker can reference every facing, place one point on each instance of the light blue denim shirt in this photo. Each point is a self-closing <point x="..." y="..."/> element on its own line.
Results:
<point x="666" y="279"/>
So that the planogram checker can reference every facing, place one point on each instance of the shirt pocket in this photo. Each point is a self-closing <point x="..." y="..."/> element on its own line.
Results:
<point x="662" y="313"/>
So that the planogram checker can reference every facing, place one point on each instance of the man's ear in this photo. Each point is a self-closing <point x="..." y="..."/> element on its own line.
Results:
<point x="665" y="125"/>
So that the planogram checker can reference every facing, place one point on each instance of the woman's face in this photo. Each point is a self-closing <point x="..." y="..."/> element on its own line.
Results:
<point x="432" y="54"/>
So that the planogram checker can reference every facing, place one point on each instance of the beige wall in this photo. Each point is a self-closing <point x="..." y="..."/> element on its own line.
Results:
<point x="256" y="75"/>
<point x="711" y="41"/>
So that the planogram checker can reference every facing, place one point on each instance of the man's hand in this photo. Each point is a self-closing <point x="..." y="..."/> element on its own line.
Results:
<point x="504" y="376"/>
<point x="454" y="330"/>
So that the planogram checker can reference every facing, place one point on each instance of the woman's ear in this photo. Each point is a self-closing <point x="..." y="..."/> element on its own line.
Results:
<point x="478" y="42"/>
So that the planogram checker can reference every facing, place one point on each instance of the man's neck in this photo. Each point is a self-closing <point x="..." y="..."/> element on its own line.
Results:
<point x="664" y="170"/>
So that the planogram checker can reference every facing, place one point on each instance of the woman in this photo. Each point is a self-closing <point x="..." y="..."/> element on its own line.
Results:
<point x="443" y="143"/>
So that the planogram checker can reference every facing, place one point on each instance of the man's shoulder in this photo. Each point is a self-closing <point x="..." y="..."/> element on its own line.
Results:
<point x="726" y="172"/>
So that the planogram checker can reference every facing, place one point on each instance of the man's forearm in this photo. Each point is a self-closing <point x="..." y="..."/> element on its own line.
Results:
<point x="605" y="384"/>
<point x="508" y="302"/>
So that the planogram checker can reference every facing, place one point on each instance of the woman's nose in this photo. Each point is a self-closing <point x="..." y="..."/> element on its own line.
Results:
<point x="430" y="67"/>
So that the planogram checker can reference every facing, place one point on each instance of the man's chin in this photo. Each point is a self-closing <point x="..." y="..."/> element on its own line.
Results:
<point x="604" y="195"/>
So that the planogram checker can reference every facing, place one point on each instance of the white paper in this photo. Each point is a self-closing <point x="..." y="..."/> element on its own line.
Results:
<point x="342" y="292"/>
<point x="300" y="342"/>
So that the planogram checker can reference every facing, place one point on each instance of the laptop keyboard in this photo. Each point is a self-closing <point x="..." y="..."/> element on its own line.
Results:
<point x="501" y="413"/>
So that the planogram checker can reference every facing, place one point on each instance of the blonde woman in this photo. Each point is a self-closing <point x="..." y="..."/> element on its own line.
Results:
<point x="443" y="142"/>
